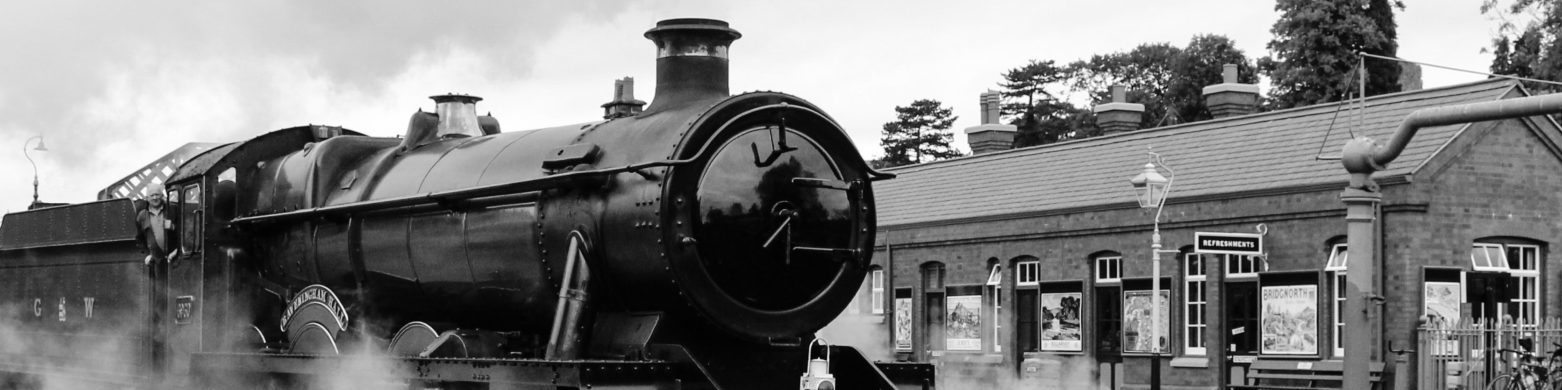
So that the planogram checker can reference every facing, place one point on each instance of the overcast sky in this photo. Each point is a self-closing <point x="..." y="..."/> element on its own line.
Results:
<point x="112" y="85"/>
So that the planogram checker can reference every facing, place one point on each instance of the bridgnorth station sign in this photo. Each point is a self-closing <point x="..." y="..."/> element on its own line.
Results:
<point x="1228" y="243"/>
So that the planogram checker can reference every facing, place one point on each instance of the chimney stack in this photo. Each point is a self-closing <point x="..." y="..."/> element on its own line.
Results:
<point x="1119" y="115"/>
<point x="623" y="103"/>
<point x="1230" y="98"/>
<point x="691" y="60"/>
<point x="990" y="136"/>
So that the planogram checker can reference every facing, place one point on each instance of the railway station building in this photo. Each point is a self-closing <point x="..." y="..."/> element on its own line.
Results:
<point x="1035" y="263"/>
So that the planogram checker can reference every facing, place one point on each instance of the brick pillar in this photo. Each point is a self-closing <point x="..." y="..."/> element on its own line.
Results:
<point x="990" y="136"/>
<point x="1231" y="98"/>
<point x="1119" y="115"/>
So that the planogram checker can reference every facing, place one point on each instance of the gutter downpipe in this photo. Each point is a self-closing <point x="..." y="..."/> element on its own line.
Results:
<point x="1362" y="157"/>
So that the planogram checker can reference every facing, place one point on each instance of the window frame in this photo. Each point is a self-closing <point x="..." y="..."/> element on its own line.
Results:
<point x="1253" y="264"/>
<point x="876" y="291"/>
<point x="1027" y="273"/>
<point x="1195" y="279"/>
<point x="1528" y="306"/>
<point x="191" y="218"/>
<point x="994" y="292"/>
<point x="1109" y="268"/>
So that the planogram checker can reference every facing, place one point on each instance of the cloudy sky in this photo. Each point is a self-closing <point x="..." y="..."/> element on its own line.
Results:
<point x="112" y="85"/>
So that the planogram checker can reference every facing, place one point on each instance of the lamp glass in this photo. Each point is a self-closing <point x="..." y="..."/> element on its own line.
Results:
<point x="1149" y="187"/>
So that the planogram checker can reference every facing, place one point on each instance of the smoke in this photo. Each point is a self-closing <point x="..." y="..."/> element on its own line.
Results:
<point x="1051" y="372"/>
<point x="112" y="86"/>
<point x="866" y="333"/>
<point x="91" y="360"/>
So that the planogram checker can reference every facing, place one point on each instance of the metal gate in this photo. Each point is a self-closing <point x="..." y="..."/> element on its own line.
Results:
<point x="1466" y="355"/>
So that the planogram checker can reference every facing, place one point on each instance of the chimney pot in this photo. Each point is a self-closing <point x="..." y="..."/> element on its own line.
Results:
<point x="1230" y="98"/>
<point x="1119" y="115"/>
<point x="990" y="136"/>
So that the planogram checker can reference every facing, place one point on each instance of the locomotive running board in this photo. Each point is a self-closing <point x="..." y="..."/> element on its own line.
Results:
<point x="218" y="368"/>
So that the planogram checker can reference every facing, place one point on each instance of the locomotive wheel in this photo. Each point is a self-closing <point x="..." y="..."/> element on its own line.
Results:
<point x="315" y="339"/>
<point x="412" y="339"/>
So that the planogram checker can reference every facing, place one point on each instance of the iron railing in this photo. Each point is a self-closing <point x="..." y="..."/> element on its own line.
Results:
<point x="1465" y="355"/>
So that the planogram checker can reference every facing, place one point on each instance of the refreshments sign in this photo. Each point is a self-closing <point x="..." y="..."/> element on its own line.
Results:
<point x="1228" y="243"/>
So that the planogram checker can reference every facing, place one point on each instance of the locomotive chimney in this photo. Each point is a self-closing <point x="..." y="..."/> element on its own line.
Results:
<point x="691" y="60"/>
<point x="457" y="115"/>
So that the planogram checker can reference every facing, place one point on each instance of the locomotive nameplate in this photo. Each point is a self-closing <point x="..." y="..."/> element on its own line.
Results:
<point x="316" y="295"/>
<point x="184" y="308"/>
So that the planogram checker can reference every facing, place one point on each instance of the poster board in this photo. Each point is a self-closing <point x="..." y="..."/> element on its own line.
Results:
<point x="1440" y="308"/>
<point x="1137" y="322"/>
<point x="963" y="324"/>
<point x="903" y="324"/>
<point x="1289" y="320"/>
<point x="1060" y="322"/>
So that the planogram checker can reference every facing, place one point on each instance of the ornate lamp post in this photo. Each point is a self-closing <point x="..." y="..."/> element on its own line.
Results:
<point x="1151" y="188"/>
<point x="35" y="165"/>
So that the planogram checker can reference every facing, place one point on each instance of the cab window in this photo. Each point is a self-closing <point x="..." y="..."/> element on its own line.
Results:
<point x="190" y="223"/>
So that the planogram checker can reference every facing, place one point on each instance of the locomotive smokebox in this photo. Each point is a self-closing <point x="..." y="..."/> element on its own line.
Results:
<point x="691" y="60"/>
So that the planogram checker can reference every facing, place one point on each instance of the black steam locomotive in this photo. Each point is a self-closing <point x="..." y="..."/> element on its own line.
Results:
<point x="698" y="242"/>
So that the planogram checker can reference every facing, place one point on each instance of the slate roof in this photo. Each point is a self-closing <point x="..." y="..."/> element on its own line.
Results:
<point x="1253" y="152"/>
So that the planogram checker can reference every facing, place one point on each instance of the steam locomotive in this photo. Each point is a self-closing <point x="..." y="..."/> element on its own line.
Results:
<point x="697" y="242"/>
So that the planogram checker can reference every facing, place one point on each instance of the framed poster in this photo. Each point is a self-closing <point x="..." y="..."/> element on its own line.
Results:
<point x="1441" y="309"/>
<point x="1060" y="322"/>
<point x="963" y="326"/>
<point x="1288" y="322"/>
<point x="1137" y="322"/>
<point x="1441" y="306"/>
<point x="903" y="324"/>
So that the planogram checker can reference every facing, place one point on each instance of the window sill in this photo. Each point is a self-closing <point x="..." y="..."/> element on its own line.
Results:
<point x="1191" y="362"/>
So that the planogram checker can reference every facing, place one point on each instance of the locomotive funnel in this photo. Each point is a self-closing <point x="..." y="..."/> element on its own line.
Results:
<point x="691" y="60"/>
<point x="457" y="115"/>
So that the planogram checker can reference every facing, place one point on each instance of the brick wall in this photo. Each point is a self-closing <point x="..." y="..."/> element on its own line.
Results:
<point x="1495" y="180"/>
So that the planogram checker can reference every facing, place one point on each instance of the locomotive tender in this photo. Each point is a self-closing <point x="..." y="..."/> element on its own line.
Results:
<point x="697" y="243"/>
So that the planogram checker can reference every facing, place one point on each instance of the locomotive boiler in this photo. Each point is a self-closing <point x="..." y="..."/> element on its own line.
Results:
<point x="702" y="239"/>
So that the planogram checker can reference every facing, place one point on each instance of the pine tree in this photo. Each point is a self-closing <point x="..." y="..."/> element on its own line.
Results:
<point x="1040" y="117"/>
<point x="920" y="133"/>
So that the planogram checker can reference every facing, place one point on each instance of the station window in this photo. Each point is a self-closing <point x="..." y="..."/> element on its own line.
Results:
<point x="1522" y="263"/>
<point x="1487" y="257"/>
<point x="1027" y="273"/>
<point x="1193" y="306"/>
<point x="877" y="291"/>
<point x="1109" y="269"/>
<point x="994" y="292"/>
<point x="1339" y="258"/>
<point x="1243" y="265"/>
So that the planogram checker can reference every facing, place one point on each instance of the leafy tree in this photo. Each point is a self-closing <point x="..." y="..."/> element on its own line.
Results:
<point x="1040" y="116"/>
<point x="1147" y="71"/>
<point x="920" y="133"/>
<point x="1169" y="81"/>
<point x="1200" y="65"/>
<point x="1315" y="45"/>
<point x="1536" y="51"/>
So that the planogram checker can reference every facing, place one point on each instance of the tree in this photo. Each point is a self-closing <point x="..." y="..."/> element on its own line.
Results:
<point x="920" y="133"/>
<point x="1315" y="45"/>
<point x="1167" y="80"/>
<point x="1147" y="71"/>
<point x="1536" y="51"/>
<point x="1040" y="116"/>
<point x="1200" y="65"/>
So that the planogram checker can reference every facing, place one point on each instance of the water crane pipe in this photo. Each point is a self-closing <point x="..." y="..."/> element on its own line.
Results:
<point x="1362" y="157"/>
